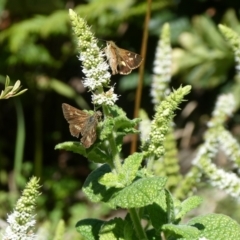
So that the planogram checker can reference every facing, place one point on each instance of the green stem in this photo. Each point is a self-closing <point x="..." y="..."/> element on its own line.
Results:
<point x="20" y="140"/>
<point x="38" y="157"/>
<point x="113" y="146"/>
<point x="137" y="224"/>
<point x="150" y="162"/>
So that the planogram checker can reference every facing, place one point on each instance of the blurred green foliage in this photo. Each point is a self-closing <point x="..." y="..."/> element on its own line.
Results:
<point x="37" y="47"/>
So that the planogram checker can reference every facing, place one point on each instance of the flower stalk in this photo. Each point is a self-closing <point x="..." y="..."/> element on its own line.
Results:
<point x="21" y="221"/>
<point x="162" y="67"/>
<point x="162" y="119"/>
<point x="94" y="66"/>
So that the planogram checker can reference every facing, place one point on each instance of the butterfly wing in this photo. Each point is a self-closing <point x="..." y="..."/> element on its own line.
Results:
<point x="76" y="119"/>
<point x="123" y="68"/>
<point x="89" y="133"/>
<point x="120" y="60"/>
<point x="110" y="52"/>
<point x="127" y="61"/>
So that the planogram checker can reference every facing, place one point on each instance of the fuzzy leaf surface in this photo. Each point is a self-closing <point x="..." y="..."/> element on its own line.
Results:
<point x="95" y="153"/>
<point x="188" y="205"/>
<point x="122" y="124"/>
<point x="181" y="231"/>
<point x="170" y="206"/>
<point x="158" y="211"/>
<point x="216" y="226"/>
<point x="95" y="191"/>
<point x="89" y="228"/>
<point x="139" y="194"/>
<point x="117" y="124"/>
<point x="116" y="229"/>
<point x="126" y="175"/>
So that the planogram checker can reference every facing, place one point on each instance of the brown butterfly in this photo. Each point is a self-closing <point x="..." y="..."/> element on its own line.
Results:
<point x="120" y="60"/>
<point x="82" y="122"/>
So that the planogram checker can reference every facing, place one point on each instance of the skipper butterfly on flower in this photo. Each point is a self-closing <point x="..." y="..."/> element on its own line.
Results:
<point x="120" y="60"/>
<point x="82" y="122"/>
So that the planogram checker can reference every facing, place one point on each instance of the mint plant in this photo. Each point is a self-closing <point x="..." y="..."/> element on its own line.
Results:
<point x="22" y="220"/>
<point x="152" y="212"/>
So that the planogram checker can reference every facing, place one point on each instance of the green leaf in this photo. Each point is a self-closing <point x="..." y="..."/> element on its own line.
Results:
<point x="207" y="29"/>
<point x="118" y="124"/>
<point x="75" y="147"/>
<point x="116" y="229"/>
<point x="116" y="111"/>
<point x="157" y="211"/>
<point x="122" y="124"/>
<point x="205" y="58"/>
<point x="216" y="226"/>
<point x="170" y="206"/>
<point x="126" y="175"/>
<point x="95" y="153"/>
<point x="107" y="129"/>
<point x="21" y="92"/>
<point x="162" y="211"/>
<point x="129" y="232"/>
<point x="89" y="228"/>
<point x="8" y="89"/>
<point x="111" y="180"/>
<point x="125" y="125"/>
<point x="181" y="231"/>
<point x="7" y="82"/>
<point x="151" y="235"/>
<point x="130" y="167"/>
<point x="93" y="189"/>
<point x="139" y="194"/>
<point x="188" y="205"/>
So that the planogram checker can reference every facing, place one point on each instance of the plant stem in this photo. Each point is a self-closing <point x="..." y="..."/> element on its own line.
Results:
<point x="20" y="140"/>
<point x="150" y="162"/>
<point x="38" y="151"/>
<point x="137" y="224"/>
<point x="116" y="159"/>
